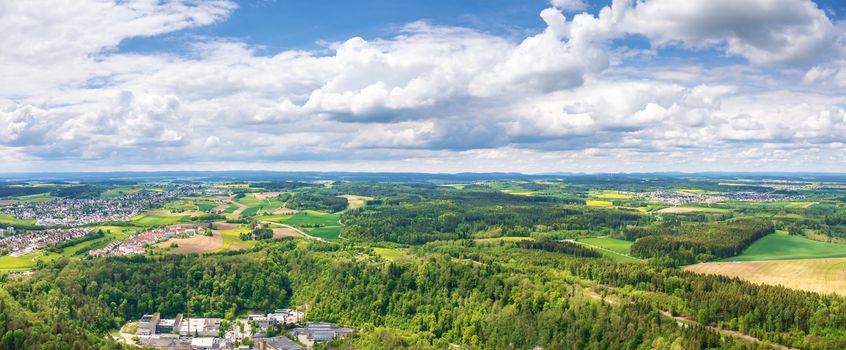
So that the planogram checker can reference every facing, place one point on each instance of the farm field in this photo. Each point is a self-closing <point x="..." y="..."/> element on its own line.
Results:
<point x="274" y="218"/>
<point x="231" y="209"/>
<point x="614" y="195"/>
<point x="18" y="263"/>
<point x="685" y="210"/>
<point x="205" y="206"/>
<point x="615" y="249"/>
<point x="197" y="244"/>
<point x="157" y="219"/>
<point x="390" y="253"/>
<point x="598" y="203"/>
<point x="119" y="191"/>
<point x="37" y="198"/>
<point x="232" y="240"/>
<point x="332" y="233"/>
<point x="313" y="218"/>
<point x="780" y="246"/>
<point x="814" y="275"/>
<point x="612" y="244"/>
<point x="355" y="201"/>
<point x="7" y="219"/>
<point x="283" y="232"/>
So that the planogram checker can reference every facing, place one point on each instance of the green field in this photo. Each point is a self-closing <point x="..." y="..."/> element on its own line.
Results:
<point x="7" y="219"/>
<point x="612" y="244"/>
<point x="309" y="217"/>
<point x="274" y="218"/>
<point x="250" y="211"/>
<point x="119" y="191"/>
<point x="390" y="253"/>
<point x="233" y="237"/>
<point x="151" y="220"/>
<point x="232" y="208"/>
<point x="36" y="198"/>
<point x="780" y="246"/>
<point x="14" y="263"/>
<point x="616" y="249"/>
<point x="205" y="205"/>
<point x="614" y="195"/>
<point x="259" y="205"/>
<point x="328" y="233"/>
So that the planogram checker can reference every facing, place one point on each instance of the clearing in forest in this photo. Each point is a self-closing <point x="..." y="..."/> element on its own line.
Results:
<point x="355" y="201"/>
<point x="679" y="210"/>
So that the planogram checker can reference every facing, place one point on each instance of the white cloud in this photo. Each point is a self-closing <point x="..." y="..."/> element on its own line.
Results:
<point x="432" y="97"/>
<point x="763" y="31"/>
<point x="571" y="5"/>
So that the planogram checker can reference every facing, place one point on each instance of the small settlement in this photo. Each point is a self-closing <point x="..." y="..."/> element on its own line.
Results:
<point x="186" y="333"/>
<point x="136" y="243"/>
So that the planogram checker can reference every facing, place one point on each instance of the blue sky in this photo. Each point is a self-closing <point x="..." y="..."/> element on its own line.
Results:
<point x="292" y="24"/>
<point x="470" y="85"/>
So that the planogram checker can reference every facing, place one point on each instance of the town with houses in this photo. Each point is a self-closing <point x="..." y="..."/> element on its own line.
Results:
<point x="78" y="212"/>
<point x="136" y="244"/>
<point x="682" y="197"/>
<point x="30" y="241"/>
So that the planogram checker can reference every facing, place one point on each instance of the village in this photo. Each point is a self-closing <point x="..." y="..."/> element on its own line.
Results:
<point x="28" y="242"/>
<point x="683" y="197"/>
<point x="281" y="329"/>
<point x="136" y="244"/>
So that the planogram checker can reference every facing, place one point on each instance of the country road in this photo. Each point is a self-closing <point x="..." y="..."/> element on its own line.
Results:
<point x="295" y="229"/>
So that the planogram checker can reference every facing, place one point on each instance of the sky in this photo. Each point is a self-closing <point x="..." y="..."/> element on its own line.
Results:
<point x="531" y="86"/>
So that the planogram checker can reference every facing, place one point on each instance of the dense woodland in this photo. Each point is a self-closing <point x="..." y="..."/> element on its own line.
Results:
<point x="483" y="297"/>
<point x="460" y="214"/>
<point x="689" y="243"/>
<point x="314" y="201"/>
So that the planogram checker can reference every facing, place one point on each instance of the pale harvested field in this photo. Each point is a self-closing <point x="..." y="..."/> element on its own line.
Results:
<point x="220" y="208"/>
<point x="678" y="210"/>
<point x="355" y="200"/>
<point x="266" y="195"/>
<point x="224" y="226"/>
<point x="196" y="244"/>
<point x="7" y="202"/>
<point x="815" y="275"/>
<point x="284" y="211"/>
<point x="284" y="232"/>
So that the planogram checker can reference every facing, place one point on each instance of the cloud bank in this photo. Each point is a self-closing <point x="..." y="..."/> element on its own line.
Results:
<point x="573" y="97"/>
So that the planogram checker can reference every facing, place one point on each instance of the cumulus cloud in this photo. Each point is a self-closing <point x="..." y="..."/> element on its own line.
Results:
<point x="763" y="31"/>
<point x="430" y="96"/>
